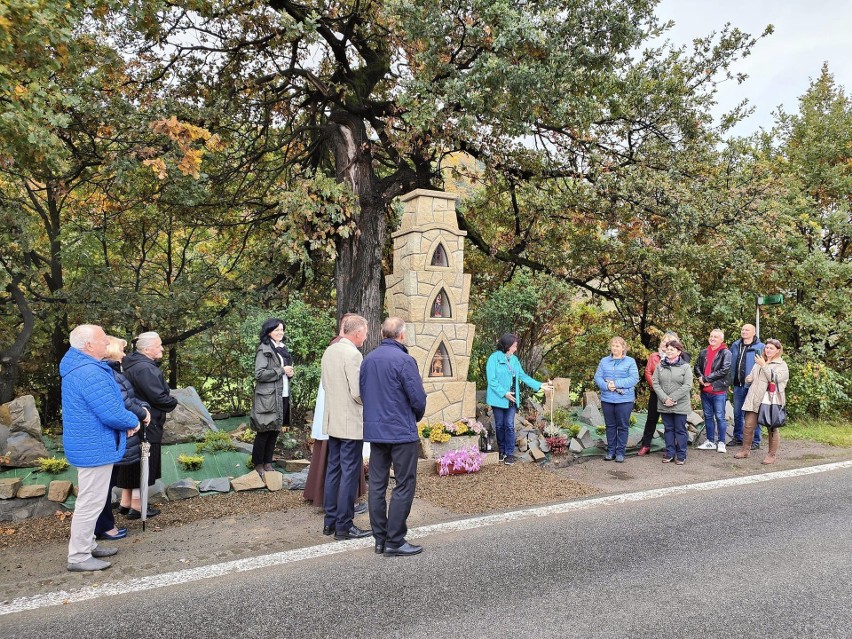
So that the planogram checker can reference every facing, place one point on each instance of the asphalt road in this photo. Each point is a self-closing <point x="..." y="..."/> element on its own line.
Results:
<point x="764" y="560"/>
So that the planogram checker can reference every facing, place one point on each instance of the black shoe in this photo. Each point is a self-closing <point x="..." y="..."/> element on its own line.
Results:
<point x="360" y="508"/>
<point x="328" y="530"/>
<point x="608" y="458"/>
<point x="755" y="445"/>
<point x="380" y="547"/>
<point x="135" y="514"/>
<point x="352" y="533"/>
<point x="500" y="457"/>
<point x="123" y="510"/>
<point x="403" y="551"/>
<point x="735" y="442"/>
<point x="509" y="460"/>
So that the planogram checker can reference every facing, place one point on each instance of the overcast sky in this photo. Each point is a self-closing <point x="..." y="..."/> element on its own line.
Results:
<point x="807" y="33"/>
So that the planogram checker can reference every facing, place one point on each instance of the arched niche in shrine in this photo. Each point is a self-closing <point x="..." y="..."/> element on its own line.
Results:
<point x="439" y="364"/>
<point x="440" y="306"/>
<point x="438" y="257"/>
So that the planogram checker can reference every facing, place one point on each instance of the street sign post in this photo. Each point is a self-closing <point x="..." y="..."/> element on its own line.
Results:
<point x="774" y="299"/>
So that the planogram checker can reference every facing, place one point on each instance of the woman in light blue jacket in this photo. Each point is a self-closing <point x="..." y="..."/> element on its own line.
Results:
<point x="504" y="374"/>
<point x="616" y="378"/>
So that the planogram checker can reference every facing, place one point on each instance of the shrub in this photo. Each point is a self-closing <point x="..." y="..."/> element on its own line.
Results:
<point x="247" y="436"/>
<point x="816" y="390"/>
<point x="52" y="465"/>
<point x="190" y="462"/>
<point x="214" y="441"/>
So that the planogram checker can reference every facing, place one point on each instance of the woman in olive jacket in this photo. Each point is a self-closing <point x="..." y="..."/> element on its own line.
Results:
<point x="273" y="368"/>
<point x="672" y="381"/>
<point x="766" y="365"/>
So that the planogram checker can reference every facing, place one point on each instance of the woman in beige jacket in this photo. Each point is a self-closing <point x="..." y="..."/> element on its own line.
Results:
<point x="764" y="366"/>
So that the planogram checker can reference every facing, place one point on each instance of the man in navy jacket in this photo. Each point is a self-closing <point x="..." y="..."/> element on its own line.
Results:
<point x="394" y="401"/>
<point x="742" y="361"/>
<point x="94" y="428"/>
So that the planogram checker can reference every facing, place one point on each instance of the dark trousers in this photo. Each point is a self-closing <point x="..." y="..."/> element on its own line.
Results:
<point x="617" y="418"/>
<point x="651" y="422"/>
<point x="389" y="524"/>
<point x="264" y="447"/>
<point x="342" y="477"/>
<point x="676" y="435"/>
<point x="106" y="520"/>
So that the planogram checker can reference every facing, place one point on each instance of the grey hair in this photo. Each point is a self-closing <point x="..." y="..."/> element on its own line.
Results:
<point x="145" y="341"/>
<point x="81" y="335"/>
<point x="393" y="327"/>
<point x="353" y="324"/>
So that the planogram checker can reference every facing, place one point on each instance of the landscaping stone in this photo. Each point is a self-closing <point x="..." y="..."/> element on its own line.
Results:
<point x="20" y="433"/>
<point x="21" y="416"/>
<point x="591" y="398"/>
<point x="31" y="490"/>
<point x="491" y="459"/>
<point x="22" y="450"/>
<point x="695" y="418"/>
<point x="20" y="509"/>
<point x="575" y="445"/>
<point x="295" y="465"/>
<point x="592" y="415"/>
<point x="585" y="437"/>
<point x="182" y="489"/>
<point x="189" y="420"/>
<point x="634" y="437"/>
<point x="157" y="493"/>
<point x="536" y="454"/>
<point x="217" y="484"/>
<point x="58" y="490"/>
<point x="9" y="487"/>
<point x="296" y="481"/>
<point x="249" y="481"/>
<point x="274" y="480"/>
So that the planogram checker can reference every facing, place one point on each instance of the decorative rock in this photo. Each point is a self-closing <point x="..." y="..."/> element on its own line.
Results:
<point x="21" y="416"/>
<point x="543" y="446"/>
<point x="59" y="490"/>
<point x="729" y="416"/>
<point x="249" y="481"/>
<point x="694" y="418"/>
<point x="585" y="437"/>
<point x="218" y="485"/>
<point x="576" y="446"/>
<point x="522" y="443"/>
<point x="157" y="493"/>
<point x="296" y="465"/>
<point x="536" y="454"/>
<point x="592" y="415"/>
<point x="31" y="490"/>
<point x="23" y="449"/>
<point x="182" y="489"/>
<point x="690" y="437"/>
<point x="491" y="459"/>
<point x="9" y="487"/>
<point x="296" y="481"/>
<point x="591" y="398"/>
<point x="274" y="480"/>
<point x="20" y="509"/>
<point x="189" y="420"/>
<point x="634" y="436"/>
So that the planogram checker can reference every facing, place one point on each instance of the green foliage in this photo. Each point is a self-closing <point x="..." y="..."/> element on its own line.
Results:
<point x="248" y="436"/>
<point x="815" y="390"/>
<point x="215" y="441"/>
<point x="834" y="433"/>
<point x="52" y="465"/>
<point x="190" y="462"/>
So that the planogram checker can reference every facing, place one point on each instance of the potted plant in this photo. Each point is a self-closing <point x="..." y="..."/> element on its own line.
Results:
<point x="467" y="459"/>
<point x="439" y="437"/>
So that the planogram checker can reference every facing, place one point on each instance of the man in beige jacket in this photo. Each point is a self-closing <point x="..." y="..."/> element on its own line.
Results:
<point x="343" y="422"/>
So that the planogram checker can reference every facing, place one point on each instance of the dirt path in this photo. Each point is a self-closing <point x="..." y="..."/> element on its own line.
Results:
<point x="209" y="530"/>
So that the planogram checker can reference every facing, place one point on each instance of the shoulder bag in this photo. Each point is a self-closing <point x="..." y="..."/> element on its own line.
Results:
<point x="771" y="413"/>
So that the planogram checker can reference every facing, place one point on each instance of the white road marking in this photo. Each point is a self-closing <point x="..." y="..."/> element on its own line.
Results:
<point x="280" y="558"/>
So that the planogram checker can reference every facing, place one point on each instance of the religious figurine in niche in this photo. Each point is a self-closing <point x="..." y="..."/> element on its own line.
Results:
<point x="440" y="307"/>
<point x="437" y="366"/>
<point x="439" y="257"/>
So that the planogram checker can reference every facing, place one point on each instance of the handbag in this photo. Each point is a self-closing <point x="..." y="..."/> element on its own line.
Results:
<point x="771" y="413"/>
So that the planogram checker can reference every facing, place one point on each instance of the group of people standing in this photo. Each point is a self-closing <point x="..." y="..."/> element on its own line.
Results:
<point x="749" y="367"/>
<point x="112" y="407"/>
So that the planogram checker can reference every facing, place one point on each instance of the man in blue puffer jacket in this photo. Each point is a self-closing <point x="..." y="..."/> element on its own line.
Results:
<point x="94" y="428"/>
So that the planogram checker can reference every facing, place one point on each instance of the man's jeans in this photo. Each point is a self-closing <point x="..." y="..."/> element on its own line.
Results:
<point x="740" y="393"/>
<point x="714" y="416"/>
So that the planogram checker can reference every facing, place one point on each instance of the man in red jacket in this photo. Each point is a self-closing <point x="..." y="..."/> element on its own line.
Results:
<point x="712" y="369"/>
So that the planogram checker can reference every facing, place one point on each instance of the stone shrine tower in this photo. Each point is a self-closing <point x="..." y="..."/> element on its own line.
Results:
<point x="430" y="291"/>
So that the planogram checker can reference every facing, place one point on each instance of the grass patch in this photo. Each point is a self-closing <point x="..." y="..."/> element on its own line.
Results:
<point x="833" y="433"/>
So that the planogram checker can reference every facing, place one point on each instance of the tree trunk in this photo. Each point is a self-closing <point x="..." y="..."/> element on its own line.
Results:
<point x="10" y="358"/>
<point x="358" y="275"/>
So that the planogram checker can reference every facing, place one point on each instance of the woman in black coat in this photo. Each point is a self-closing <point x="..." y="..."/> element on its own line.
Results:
<point x="273" y="368"/>
<point x="142" y="368"/>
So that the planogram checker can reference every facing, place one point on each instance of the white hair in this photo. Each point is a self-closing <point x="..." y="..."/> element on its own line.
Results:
<point x="145" y="341"/>
<point x="81" y="335"/>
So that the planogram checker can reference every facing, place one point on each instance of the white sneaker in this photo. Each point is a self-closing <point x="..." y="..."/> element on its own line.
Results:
<point x="707" y="445"/>
<point x="720" y="447"/>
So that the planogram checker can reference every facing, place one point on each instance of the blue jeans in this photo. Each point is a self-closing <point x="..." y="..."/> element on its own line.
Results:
<point x="740" y="393"/>
<point x="617" y="418"/>
<point x="504" y="425"/>
<point x="714" y="416"/>
<point x="675" y="435"/>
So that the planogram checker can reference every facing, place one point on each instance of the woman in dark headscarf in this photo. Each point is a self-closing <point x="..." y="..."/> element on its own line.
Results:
<point x="273" y="368"/>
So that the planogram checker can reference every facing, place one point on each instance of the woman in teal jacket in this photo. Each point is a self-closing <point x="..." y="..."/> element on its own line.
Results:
<point x="504" y="374"/>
